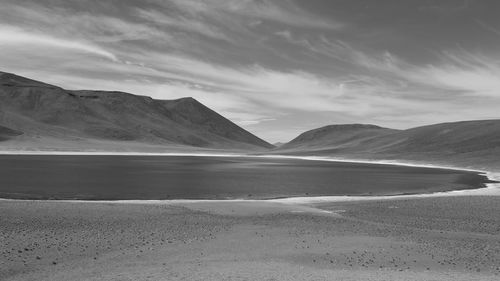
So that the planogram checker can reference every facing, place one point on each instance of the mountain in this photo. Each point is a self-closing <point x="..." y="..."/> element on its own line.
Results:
<point x="467" y="143"/>
<point x="336" y="137"/>
<point x="6" y="133"/>
<point x="47" y="114"/>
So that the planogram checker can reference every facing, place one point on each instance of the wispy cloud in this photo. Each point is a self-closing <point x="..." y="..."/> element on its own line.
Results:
<point x="465" y="72"/>
<point x="64" y="22"/>
<point x="285" y="12"/>
<point x="457" y="70"/>
<point x="264" y="64"/>
<point x="488" y="27"/>
<point x="182" y="23"/>
<point x="16" y="37"/>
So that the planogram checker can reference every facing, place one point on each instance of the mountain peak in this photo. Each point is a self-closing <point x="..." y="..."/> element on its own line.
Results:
<point x="187" y="99"/>
<point x="189" y="111"/>
<point x="40" y="109"/>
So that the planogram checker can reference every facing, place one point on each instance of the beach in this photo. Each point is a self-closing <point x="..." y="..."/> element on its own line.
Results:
<point x="412" y="238"/>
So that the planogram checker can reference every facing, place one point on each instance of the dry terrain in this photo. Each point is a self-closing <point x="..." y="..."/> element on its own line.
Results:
<point x="468" y="144"/>
<point x="38" y="116"/>
<point x="442" y="238"/>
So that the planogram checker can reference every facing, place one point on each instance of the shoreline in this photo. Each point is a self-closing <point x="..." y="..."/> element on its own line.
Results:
<point x="449" y="236"/>
<point x="276" y="156"/>
<point x="484" y="191"/>
<point x="491" y="189"/>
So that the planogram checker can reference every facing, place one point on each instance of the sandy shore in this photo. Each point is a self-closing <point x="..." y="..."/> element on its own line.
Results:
<point x="448" y="238"/>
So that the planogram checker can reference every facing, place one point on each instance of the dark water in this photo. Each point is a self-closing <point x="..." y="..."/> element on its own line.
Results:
<point x="193" y="177"/>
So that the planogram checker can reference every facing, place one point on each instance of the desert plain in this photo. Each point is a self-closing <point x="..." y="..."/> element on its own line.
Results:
<point x="405" y="238"/>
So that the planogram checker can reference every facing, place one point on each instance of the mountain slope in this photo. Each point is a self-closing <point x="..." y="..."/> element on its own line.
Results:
<point x="43" y="111"/>
<point x="6" y="133"/>
<point x="336" y="137"/>
<point x="191" y="113"/>
<point x="445" y="138"/>
<point x="458" y="143"/>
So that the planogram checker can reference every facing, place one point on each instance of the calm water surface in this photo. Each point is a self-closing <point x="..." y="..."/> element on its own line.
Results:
<point x="204" y="177"/>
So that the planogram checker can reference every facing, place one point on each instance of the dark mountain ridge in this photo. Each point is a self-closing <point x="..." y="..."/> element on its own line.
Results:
<point x="43" y="110"/>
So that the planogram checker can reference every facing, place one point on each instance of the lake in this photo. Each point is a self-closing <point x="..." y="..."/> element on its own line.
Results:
<point x="99" y="177"/>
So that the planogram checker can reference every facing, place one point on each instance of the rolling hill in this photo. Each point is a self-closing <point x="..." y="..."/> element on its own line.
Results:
<point x="468" y="143"/>
<point x="6" y="133"/>
<point x="335" y="137"/>
<point x="51" y="117"/>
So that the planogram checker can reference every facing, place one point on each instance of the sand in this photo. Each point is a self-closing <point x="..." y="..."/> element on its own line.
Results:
<point x="446" y="238"/>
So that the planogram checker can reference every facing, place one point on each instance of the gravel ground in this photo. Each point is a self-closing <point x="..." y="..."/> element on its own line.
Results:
<point x="452" y="238"/>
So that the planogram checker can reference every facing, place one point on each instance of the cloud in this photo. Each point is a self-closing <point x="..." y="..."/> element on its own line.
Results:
<point x="458" y="72"/>
<point x="66" y="23"/>
<point x="464" y="72"/>
<point x="454" y="71"/>
<point x="284" y="12"/>
<point x="296" y="89"/>
<point x="286" y="34"/>
<point x="12" y="36"/>
<point x="182" y="23"/>
<point x="251" y="60"/>
<point x="253" y="11"/>
<point x="488" y="27"/>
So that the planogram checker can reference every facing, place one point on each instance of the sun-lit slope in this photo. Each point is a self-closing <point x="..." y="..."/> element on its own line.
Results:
<point x="467" y="143"/>
<point x="475" y="143"/>
<point x="446" y="138"/>
<point x="41" y="110"/>
<point x="336" y="137"/>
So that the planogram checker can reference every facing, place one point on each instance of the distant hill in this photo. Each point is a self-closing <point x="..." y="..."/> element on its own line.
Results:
<point x="46" y="113"/>
<point x="336" y="137"/>
<point x="6" y="133"/>
<point x="467" y="143"/>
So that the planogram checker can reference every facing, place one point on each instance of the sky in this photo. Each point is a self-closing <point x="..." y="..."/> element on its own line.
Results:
<point x="275" y="67"/>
